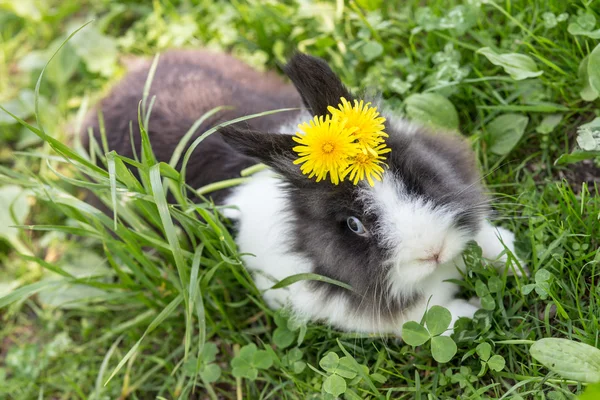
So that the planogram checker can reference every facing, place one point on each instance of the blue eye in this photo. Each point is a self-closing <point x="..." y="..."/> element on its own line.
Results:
<point x="356" y="226"/>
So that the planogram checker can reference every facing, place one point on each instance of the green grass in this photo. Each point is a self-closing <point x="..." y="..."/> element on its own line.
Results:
<point x="90" y="309"/>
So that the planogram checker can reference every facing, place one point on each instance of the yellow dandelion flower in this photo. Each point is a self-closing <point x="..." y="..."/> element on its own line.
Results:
<point x="368" y="165"/>
<point x="326" y="147"/>
<point x="369" y="125"/>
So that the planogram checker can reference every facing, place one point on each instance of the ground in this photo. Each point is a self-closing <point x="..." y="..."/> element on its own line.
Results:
<point x="163" y="312"/>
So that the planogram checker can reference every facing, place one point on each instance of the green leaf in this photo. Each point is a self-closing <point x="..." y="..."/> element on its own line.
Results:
<point x="334" y="385"/>
<point x="283" y="337"/>
<point x="483" y="369"/>
<point x="209" y="352"/>
<point x="246" y="353"/>
<point x="576" y="156"/>
<point x="518" y="66"/>
<point x="586" y="140"/>
<point x="569" y="359"/>
<point x="592" y="392"/>
<point x="443" y="348"/>
<point x="21" y="107"/>
<point x="98" y="52"/>
<point x="211" y="373"/>
<point x="437" y="320"/>
<point x="371" y="50"/>
<point x="496" y="363"/>
<point x="541" y="291"/>
<point x="346" y="368"/>
<point x="554" y="395"/>
<point x="330" y="361"/>
<point x="526" y="289"/>
<point x="549" y="122"/>
<point x="593" y="69"/>
<point x="378" y="378"/>
<point x="488" y="303"/>
<point x="63" y="66"/>
<point x="543" y="275"/>
<point x="298" y="367"/>
<point x="483" y="351"/>
<point x="433" y="109"/>
<point x="245" y="371"/>
<point x="586" y="21"/>
<point x="481" y="289"/>
<point x="14" y="209"/>
<point x="262" y="359"/>
<point x="281" y="317"/>
<point x="583" y="25"/>
<point x="294" y="354"/>
<point x="593" y="125"/>
<point x="587" y="92"/>
<point x="505" y="131"/>
<point x="243" y="363"/>
<point x="495" y="284"/>
<point x="414" y="333"/>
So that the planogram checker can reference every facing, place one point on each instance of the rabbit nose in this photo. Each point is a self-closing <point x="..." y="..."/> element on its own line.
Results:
<point x="435" y="257"/>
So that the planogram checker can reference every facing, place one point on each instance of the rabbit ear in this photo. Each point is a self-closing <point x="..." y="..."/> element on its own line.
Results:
<point x="317" y="84"/>
<point x="272" y="149"/>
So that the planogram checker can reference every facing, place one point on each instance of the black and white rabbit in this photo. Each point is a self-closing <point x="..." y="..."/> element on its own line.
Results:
<point x="396" y="243"/>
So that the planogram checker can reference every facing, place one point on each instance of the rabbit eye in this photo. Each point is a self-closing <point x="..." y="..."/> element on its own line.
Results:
<point x="356" y="226"/>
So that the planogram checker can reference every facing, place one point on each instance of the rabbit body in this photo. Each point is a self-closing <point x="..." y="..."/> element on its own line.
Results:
<point x="414" y="224"/>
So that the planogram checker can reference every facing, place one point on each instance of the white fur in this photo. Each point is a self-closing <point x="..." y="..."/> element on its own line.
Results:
<point x="291" y="127"/>
<point x="412" y="226"/>
<point x="416" y="229"/>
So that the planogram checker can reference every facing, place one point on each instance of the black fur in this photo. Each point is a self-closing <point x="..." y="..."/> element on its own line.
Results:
<point x="317" y="84"/>
<point x="437" y="167"/>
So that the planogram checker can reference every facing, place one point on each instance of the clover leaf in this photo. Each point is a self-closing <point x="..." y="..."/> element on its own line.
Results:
<point x="496" y="362"/>
<point x="493" y="362"/>
<point x="284" y="334"/>
<point x="483" y="292"/>
<point x="583" y="25"/>
<point x="464" y="377"/>
<point x="206" y="368"/>
<point x="414" y="334"/>
<point x="334" y="385"/>
<point x="339" y="370"/>
<point x="437" y="320"/>
<point x="247" y="363"/>
<point x="293" y="360"/>
<point x="543" y="280"/>
<point x="443" y="348"/>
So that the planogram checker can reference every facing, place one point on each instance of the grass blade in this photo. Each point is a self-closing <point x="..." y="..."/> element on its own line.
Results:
<point x="309" y="277"/>
<point x="164" y="314"/>
<point x="26" y="291"/>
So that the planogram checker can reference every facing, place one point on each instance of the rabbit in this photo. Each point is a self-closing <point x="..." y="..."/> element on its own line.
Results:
<point x="396" y="243"/>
